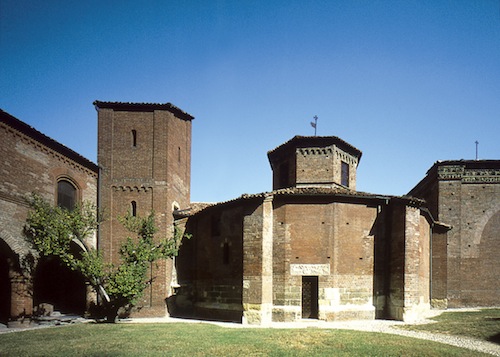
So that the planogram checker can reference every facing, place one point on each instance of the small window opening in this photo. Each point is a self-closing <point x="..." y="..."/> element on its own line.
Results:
<point x="225" y="253"/>
<point x="133" y="208"/>
<point x="179" y="154"/>
<point x="344" y="180"/>
<point x="134" y="138"/>
<point x="66" y="194"/>
<point x="283" y="175"/>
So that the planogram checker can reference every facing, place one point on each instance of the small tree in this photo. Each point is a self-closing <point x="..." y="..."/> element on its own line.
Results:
<point x="52" y="231"/>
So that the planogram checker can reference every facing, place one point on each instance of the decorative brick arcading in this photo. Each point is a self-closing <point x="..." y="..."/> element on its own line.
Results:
<point x="132" y="188"/>
<point x="315" y="151"/>
<point x="475" y="175"/>
<point x="42" y="148"/>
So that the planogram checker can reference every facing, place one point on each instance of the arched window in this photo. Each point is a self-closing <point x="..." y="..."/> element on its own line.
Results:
<point x="66" y="194"/>
<point x="133" y="208"/>
<point x="134" y="138"/>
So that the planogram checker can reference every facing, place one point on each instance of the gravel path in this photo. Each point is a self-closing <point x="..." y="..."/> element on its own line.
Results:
<point x="391" y="327"/>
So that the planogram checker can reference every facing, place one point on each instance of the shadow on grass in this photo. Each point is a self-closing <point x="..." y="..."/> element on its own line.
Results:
<point x="495" y="338"/>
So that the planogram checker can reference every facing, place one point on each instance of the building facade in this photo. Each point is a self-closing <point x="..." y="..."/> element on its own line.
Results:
<point x="466" y="195"/>
<point x="314" y="247"/>
<point x="144" y="157"/>
<point x="34" y="163"/>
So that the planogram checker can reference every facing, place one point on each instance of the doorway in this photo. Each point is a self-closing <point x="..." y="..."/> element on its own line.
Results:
<point x="56" y="284"/>
<point x="310" y="297"/>
<point x="6" y="262"/>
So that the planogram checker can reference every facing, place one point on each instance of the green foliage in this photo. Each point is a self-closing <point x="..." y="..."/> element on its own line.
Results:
<point x="52" y="230"/>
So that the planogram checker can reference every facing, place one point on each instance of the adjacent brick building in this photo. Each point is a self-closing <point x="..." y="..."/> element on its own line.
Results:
<point x="32" y="162"/>
<point x="466" y="195"/>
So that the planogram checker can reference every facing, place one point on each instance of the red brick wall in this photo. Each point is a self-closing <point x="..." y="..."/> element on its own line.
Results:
<point x="473" y="211"/>
<point x="210" y="281"/>
<point x="318" y="232"/>
<point x="28" y="165"/>
<point x="155" y="173"/>
<point x="313" y="166"/>
<point x="466" y="195"/>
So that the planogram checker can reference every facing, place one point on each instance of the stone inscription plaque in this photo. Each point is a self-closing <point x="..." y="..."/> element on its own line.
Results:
<point x="309" y="269"/>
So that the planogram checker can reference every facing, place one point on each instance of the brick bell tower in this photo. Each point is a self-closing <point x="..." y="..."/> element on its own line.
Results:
<point x="144" y="158"/>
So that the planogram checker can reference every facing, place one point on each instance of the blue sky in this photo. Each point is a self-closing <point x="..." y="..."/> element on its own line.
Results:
<point x="406" y="82"/>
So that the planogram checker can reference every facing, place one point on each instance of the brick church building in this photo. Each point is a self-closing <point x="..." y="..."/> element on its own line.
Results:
<point x="313" y="247"/>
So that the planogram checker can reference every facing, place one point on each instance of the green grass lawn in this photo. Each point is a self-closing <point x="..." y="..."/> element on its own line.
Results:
<point x="188" y="339"/>
<point x="483" y="324"/>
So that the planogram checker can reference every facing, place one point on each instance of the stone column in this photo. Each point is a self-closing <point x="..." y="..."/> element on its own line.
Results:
<point x="21" y="304"/>
<point x="416" y="266"/>
<point x="258" y="265"/>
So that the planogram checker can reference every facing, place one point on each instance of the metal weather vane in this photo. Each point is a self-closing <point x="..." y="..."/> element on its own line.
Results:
<point x="315" y="124"/>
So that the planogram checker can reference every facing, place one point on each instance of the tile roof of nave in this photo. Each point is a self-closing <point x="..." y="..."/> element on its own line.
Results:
<point x="337" y="193"/>
<point x="303" y="141"/>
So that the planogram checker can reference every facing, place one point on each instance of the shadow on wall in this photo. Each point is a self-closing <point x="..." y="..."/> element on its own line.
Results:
<point x="6" y="255"/>
<point x="58" y="285"/>
<point x="202" y="293"/>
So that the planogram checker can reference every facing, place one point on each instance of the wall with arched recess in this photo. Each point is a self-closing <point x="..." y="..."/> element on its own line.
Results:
<point x="489" y="263"/>
<point x="6" y="256"/>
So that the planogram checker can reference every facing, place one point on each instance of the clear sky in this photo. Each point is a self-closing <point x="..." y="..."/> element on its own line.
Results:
<point x="407" y="82"/>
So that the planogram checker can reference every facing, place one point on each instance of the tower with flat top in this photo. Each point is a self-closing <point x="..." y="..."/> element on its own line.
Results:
<point x="144" y="158"/>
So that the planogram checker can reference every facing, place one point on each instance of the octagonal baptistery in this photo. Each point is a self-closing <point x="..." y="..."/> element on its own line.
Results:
<point x="312" y="248"/>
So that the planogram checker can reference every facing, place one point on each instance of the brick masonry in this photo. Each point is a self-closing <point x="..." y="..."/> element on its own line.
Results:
<point x="369" y="254"/>
<point x="144" y="154"/>
<point x="31" y="162"/>
<point x="466" y="195"/>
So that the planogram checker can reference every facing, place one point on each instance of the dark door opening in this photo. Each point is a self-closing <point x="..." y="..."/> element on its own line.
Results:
<point x="4" y="290"/>
<point x="7" y="258"/>
<point x="60" y="286"/>
<point x="310" y="297"/>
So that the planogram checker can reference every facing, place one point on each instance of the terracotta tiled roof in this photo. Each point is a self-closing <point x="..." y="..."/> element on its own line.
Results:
<point x="469" y="164"/>
<point x="301" y="141"/>
<point x="24" y="128"/>
<point x="193" y="208"/>
<point x="126" y="106"/>
<point x="337" y="192"/>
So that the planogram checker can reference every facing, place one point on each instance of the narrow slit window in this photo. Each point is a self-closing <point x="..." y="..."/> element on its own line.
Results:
<point x="133" y="208"/>
<point x="134" y="138"/>
<point x="179" y="154"/>
<point x="345" y="174"/>
<point x="225" y="258"/>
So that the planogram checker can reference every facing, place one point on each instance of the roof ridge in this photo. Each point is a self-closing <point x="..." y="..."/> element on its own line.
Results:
<point x="143" y="106"/>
